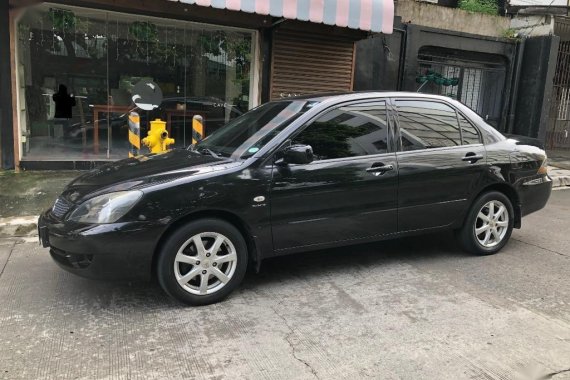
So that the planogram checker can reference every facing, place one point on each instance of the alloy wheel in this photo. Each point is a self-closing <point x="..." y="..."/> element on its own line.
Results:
<point x="491" y="224"/>
<point x="205" y="263"/>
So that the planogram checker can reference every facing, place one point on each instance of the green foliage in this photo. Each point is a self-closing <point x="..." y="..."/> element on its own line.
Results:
<point x="143" y="31"/>
<point x="24" y="32"/>
<point x="62" y="19"/>
<point x="437" y="78"/>
<point x="510" y="33"/>
<point x="235" y="47"/>
<point x="221" y="42"/>
<point x="489" y="7"/>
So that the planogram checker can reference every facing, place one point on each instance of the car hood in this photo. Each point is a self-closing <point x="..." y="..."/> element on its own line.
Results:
<point x="143" y="172"/>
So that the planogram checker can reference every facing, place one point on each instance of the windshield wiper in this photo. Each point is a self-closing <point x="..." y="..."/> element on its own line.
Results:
<point x="215" y="154"/>
<point x="208" y="151"/>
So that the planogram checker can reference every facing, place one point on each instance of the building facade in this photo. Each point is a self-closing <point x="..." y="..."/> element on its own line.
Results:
<point x="503" y="72"/>
<point x="72" y="67"/>
<point x="474" y="69"/>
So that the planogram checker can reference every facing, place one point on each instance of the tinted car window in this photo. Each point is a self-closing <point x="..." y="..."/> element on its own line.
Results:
<point x="355" y="130"/>
<point x="470" y="133"/>
<point x="425" y="125"/>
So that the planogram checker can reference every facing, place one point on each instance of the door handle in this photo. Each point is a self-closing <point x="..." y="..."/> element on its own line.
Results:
<point x="472" y="157"/>
<point x="379" y="169"/>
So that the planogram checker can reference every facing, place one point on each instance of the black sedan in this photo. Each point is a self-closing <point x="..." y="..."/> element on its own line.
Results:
<point x="297" y="175"/>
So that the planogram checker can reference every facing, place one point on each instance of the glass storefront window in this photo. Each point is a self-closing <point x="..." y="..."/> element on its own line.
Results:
<point x="77" y="68"/>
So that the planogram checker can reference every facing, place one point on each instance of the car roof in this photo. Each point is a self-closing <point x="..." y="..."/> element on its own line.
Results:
<point x="348" y="95"/>
<point x="328" y="99"/>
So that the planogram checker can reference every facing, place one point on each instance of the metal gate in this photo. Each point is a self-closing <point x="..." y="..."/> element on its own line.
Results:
<point x="557" y="134"/>
<point x="477" y="84"/>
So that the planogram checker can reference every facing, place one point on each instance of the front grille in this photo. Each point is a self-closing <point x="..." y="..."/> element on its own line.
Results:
<point x="60" y="207"/>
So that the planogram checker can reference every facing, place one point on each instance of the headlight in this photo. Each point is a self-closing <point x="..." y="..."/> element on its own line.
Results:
<point x="106" y="208"/>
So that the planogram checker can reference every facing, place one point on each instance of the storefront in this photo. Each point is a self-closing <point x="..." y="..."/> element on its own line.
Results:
<point x="6" y="126"/>
<point x="74" y="67"/>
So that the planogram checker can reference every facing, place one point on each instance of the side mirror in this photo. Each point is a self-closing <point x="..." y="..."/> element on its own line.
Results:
<point x="298" y="154"/>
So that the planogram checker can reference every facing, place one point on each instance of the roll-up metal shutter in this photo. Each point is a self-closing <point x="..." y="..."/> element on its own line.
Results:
<point x="305" y="63"/>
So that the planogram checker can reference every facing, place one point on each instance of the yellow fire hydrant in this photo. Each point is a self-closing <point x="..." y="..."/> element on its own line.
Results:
<point x="157" y="139"/>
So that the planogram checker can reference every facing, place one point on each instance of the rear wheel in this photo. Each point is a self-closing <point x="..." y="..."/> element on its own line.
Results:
<point x="202" y="262"/>
<point x="489" y="224"/>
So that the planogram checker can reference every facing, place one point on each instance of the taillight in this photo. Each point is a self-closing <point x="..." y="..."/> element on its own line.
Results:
<point x="543" y="169"/>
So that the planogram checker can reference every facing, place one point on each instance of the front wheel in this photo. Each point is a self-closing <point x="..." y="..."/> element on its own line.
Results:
<point x="202" y="262"/>
<point x="488" y="225"/>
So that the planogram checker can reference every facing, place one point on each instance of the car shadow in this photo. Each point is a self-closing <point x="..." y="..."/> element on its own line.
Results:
<point x="436" y="246"/>
<point x="336" y="261"/>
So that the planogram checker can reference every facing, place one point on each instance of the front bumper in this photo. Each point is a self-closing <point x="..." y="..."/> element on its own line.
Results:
<point x="118" y="251"/>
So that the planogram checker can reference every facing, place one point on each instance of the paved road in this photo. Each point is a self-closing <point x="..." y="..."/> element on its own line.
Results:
<point x="408" y="309"/>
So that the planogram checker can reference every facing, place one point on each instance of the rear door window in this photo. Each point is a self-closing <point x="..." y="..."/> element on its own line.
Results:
<point x="427" y="125"/>
<point x="469" y="132"/>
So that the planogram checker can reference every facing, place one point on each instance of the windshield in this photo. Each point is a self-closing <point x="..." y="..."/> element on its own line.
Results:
<point x="244" y="136"/>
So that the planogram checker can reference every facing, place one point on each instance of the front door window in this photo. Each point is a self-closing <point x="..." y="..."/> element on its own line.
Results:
<point x="356" y="130"/>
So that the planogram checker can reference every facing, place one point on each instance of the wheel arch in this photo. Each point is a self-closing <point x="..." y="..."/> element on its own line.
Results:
<point x="510" y="192"/>
<point x="226" y="216"/>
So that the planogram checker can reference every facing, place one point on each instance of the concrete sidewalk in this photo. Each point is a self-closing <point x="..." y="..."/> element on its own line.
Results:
<point x="29" y="193"/>
<point x="23" y="196"/>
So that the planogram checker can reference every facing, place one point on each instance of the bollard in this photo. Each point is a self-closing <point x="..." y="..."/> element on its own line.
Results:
<point x="197" y="129"/>
<point x="134" y="134"/>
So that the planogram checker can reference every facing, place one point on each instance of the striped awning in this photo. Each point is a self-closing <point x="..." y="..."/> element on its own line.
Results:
<point x="367" y="15"/>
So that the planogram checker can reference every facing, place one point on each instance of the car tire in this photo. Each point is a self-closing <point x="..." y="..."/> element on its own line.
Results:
<point x="488" y="225"/>
<point x="193" y="270"/>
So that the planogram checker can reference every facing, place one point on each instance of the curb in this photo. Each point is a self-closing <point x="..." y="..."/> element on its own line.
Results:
<point x="21" y="226"/>
<point x="560" y="182"/>
<point x="560" y="177"/>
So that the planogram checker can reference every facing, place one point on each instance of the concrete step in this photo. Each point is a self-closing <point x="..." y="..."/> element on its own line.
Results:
<point x="560" y="177"/>
<point x="20" y="226"/>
